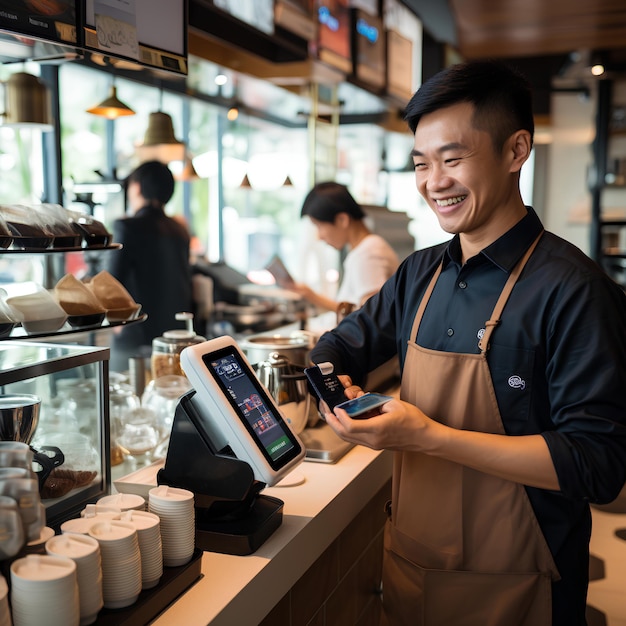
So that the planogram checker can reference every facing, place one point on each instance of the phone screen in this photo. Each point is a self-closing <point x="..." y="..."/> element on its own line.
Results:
<point x="364" y="406"/>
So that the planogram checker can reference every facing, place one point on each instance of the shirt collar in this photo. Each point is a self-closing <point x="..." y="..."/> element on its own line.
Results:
<point x="149" y="208"/>
<point x="506" y="251"/>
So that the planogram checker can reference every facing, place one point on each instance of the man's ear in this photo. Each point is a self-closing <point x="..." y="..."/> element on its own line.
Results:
<point x="518" y="147"/>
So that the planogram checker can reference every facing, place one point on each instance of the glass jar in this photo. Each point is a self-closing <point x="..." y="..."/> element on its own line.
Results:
<point x="165" y="360"/>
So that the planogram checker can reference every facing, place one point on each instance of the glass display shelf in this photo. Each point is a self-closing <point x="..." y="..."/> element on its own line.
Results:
<point x="20" y="334"/>
<point x="22" y="360"/>
<point x="96" y="248"/>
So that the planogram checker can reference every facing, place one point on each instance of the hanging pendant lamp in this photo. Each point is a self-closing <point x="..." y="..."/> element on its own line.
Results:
<point x="112" y="107"/>
<point x="27" y="102"/>
<point x="159" y="142"/>
<point x="188" y="173"/>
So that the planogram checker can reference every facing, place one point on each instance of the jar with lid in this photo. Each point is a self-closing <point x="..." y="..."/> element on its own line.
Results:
<point x="165" y="359"/>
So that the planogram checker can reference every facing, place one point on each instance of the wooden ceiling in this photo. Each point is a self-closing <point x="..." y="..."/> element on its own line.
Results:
<point x="533" y="28"/>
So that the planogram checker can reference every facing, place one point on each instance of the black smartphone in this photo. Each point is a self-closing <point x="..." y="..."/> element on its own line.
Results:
<point x="325" y="386"/>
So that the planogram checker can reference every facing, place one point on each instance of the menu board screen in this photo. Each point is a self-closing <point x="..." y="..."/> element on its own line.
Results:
<point x="334" y="33"/>
<point x="51" y="20"/>
<point x="369" y="48"/>
<point x="256" y="13"/>
<point x="152" y="32"/>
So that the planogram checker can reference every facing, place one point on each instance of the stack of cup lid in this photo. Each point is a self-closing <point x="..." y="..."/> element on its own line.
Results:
<point x="175" y="508"/>
<point x="44" y="590"/>
<point x="121" y="562"/>
<point x="85" y="552"/>
<point x="101" y="510"/>
<point x="149" y="535"/>
<point x="124" y="501"/>
<point x="38" y="545"/>
<point x="79" y="525"/>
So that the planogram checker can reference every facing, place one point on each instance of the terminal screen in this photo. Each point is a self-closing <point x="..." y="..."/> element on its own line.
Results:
<point x="253" y="407"/>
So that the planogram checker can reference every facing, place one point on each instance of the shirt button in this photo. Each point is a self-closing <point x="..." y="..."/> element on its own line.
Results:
<point x="450" y="332"/>
<point x="462" y="285"/>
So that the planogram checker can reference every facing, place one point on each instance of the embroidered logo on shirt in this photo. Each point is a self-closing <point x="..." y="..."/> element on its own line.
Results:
<point x="516" y="382"/>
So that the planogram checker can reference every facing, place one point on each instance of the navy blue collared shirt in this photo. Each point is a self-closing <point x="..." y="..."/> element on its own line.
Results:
<point x="557" y="360"/>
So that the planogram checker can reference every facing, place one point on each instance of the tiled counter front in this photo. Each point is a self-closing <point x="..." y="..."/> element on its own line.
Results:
<point x="342" y="586"/>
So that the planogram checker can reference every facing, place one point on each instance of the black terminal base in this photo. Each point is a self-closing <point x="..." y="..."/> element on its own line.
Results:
<point x="240" y="536"/>
<point x="231" y="515"/>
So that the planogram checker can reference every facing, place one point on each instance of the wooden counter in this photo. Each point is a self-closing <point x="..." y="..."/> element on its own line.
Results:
<point x="331" y="534"/>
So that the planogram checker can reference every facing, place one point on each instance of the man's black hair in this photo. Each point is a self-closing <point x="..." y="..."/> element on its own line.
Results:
<point x="501" y="96"/>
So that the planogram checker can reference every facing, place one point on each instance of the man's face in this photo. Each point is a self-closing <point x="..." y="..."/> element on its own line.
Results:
<point x="458" y="172"/>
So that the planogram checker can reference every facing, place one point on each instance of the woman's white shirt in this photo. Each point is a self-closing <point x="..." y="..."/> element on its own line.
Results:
<point x="366" y="267"/>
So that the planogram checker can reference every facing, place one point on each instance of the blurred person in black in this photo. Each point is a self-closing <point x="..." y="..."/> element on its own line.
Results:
<point x="153" y="263"/>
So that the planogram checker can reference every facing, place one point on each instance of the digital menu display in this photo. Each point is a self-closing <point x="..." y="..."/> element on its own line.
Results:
<point x="368" y="48"/>
<point x="296" y="16"/>
<point x="252" y="406"/>
<point x="152" y="32"/>
<point x="333" y="33"/>
<point x="51" y="20"/>
<point x="256" y="13"/>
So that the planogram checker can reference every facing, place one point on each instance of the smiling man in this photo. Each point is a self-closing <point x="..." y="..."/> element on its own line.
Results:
<point x="512" y="415"/>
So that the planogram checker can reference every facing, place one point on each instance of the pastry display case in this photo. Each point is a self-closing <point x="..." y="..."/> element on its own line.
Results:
<point x="71" y="436"/>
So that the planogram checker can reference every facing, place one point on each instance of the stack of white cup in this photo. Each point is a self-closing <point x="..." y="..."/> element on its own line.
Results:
<point x="85" y="552"/>
<point x="149" y="535"/>
<point x="175" y="507"/>
<point x="5" y="612"/>
<point x="44" y="590"/>
<point x="121" y="562"/>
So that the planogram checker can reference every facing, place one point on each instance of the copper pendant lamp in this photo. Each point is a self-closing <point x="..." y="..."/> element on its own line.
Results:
<point x="159" y="141"/>
<point x="111" y="107"/>
<point x="188" y="173"/>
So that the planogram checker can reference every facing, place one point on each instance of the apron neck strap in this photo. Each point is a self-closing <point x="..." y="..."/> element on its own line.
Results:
<point x="422" y="306"/>
<point x="496" y="314"/>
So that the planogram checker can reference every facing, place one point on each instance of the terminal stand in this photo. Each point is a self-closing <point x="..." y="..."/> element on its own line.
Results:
<point x="232" y="516"/>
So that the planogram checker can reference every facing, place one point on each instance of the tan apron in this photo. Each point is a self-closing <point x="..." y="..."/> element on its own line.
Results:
<point x="462" y="548"/>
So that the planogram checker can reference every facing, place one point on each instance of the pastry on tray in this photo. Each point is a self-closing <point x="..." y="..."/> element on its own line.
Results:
<point x="79" y="302"/>
<point x="61" y="481"/>
<point x="114" y="297"/>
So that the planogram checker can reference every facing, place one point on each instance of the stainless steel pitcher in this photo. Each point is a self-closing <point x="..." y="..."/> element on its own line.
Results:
<point x="286" y="383"/>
